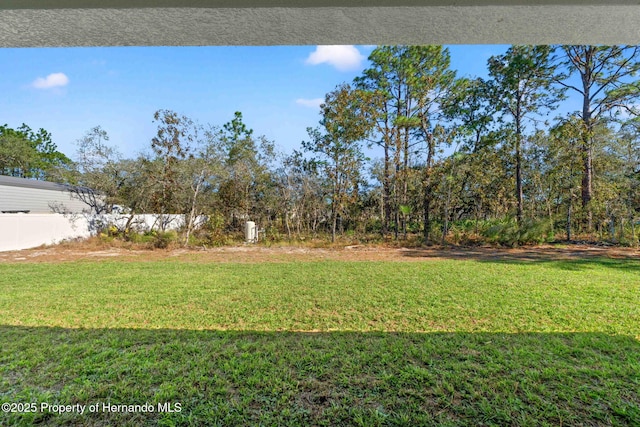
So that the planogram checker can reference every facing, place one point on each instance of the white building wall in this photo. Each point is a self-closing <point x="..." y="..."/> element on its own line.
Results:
<point x="20" y="194"/>
<point x="39" y="201"/>
<point x="24" y="231"/>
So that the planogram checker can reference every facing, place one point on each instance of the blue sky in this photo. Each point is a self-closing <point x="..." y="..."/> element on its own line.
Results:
<point x="67" y="91"/>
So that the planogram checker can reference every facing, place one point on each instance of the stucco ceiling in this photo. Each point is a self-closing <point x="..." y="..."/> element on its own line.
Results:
<point x="30" y="23"/>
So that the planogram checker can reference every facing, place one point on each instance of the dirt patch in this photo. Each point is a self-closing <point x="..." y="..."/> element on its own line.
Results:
<point x="250" y="253"/>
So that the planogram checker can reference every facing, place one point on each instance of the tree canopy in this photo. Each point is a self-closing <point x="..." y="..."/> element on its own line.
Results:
<point x="407" y="150"/>
<point x="25" y="153"/>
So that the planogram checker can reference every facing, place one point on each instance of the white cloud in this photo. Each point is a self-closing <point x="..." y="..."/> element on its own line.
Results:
<point x="311" y="103"/>
<point x="51" y="81"/>
<point x="344" y="58"/>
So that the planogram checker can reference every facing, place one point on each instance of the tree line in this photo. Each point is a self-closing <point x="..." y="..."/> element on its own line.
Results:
<point x="461" y="159"/>
<point x="25" y="153"/>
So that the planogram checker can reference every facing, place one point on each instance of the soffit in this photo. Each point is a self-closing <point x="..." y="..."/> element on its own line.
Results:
<point x="40" y="23"/>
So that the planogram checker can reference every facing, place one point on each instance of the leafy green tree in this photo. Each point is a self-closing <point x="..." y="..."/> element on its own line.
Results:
<point x="17" y="156"/>
<point x="302" y="193"/>
<point x="431" y="84"/>
<point x="336" y="146"/>
<point x="203" y="171"/>
<point x="28" y="154"/>
<point x="468" y="105"/>
<point x="242" y="165"/>
<point x="561" y="166"/>
<point x="629" y="154"/>
<point x="606" y="86"/>
<point x="170" y="146"/>
<point x="98" y="171"/>
<point x="522" y="86"/>
<point x="247" y="188"/>
<point x="405" y="86"/>
<point x="469" y="108"/>
<point x="615" y="190"/>
<point x="380" y="88"/>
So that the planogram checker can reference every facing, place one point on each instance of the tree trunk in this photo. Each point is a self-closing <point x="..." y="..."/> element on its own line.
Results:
<point x="334" y="209"/>
<point x="475" y="226"/>
<point x="445" y="224"/>
<point x="396" y="204"/>
<point x="396" y="194"/>
<point x="612" y="228"/>
<point x="315" y="222"/>
<point x="333" y="228"/>
<point x="405" y="183"/>
<point x="386" y="189"/>
<point x="519" y="194"/>
<point x="286" y="221"/>
<point x="397" y="161"/>
<point x="587" y="170"/>
<point x="192" y="213"/>
<point x="427" y="220"/>
<point x="127" y="227"/>
<point x="427" y="196"/>
<point x="587" y="184"/>
<point x="550" y="212"/>
<point x="569" y="221"/>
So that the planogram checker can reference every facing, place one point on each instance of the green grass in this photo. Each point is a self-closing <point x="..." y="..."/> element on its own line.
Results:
<point x="325" y="343"/>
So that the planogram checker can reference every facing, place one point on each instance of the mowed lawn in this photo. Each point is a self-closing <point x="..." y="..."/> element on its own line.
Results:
<point x="439" y="342"/>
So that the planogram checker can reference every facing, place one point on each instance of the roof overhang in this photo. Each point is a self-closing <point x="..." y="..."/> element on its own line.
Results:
<point x="33" y="23"/>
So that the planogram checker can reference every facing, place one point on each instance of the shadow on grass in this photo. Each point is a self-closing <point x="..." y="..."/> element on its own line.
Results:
<point x="335" y="378"/>
<point x="565" y="258"/>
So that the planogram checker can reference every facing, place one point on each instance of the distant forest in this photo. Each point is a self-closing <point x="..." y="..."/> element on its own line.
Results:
<point x="459" y="160"/>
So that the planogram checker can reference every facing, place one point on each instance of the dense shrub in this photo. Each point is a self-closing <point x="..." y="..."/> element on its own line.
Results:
<point x="508" y="232"/>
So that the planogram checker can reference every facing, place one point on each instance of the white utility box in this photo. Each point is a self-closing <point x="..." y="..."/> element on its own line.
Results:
<point x="250" y="232"/>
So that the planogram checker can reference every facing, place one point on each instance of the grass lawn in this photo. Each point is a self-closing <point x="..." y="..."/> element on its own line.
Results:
<point x="440" y="342"/>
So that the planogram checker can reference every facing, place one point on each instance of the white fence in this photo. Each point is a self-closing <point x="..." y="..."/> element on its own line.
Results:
<point x="23" y="231"/>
